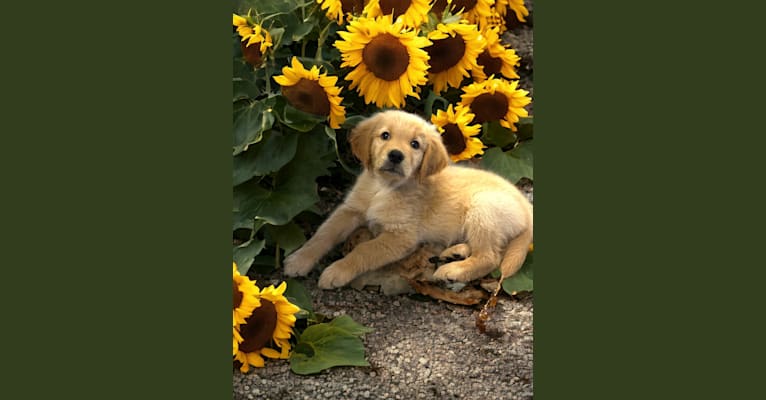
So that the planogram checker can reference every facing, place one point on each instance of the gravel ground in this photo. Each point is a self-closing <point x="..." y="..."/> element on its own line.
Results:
<point x="420" y="349"/>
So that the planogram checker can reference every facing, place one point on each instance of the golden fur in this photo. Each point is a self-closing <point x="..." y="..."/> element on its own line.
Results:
<point x="421" y="199"/>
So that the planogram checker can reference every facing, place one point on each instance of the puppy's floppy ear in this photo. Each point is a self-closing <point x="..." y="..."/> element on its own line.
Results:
<point x="435" y="157"/>
<point x="360" y="138"/>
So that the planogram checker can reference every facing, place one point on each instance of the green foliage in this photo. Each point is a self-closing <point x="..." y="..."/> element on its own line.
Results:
<point x="329" y="344"/>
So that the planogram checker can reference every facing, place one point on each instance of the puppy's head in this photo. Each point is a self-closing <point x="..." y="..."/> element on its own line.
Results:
<point x="398" y="146"/>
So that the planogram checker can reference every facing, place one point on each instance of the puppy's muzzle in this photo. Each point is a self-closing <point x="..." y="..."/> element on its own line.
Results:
<point x="393" y="162"/>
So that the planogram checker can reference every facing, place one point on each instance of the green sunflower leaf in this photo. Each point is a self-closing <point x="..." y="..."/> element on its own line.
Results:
<point x="521" y="280"/>
<point x="526" y="128"/>
<point x="494" y="134"/>
<point x="269" y="155"/>
<point x="245" y="253"/>
<point x="328" y="345"/>
<point x="250" y="122"/>
<point x="348" y="325"/>
<point x="300" y="296"/>
<point x="294" y="189"/>
<point x="289" y="236"/>
<point x="512" y="165"/>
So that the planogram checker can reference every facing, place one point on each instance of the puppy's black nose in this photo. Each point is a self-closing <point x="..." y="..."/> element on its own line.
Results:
<point x="395" y="156"/>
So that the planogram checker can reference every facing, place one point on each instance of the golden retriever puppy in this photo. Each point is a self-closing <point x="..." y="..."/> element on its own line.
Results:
<point x="409" y="193"/>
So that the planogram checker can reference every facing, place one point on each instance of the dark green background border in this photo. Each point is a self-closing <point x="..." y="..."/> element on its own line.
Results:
<point x="116" y="156"/>
<point x="116" y="175"/>
<point x="645" y="181"/>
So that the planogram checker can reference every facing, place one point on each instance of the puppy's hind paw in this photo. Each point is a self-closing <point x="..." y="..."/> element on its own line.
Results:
<point x="296" y="265"/>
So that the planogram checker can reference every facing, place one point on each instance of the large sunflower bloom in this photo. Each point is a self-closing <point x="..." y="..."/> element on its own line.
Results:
<point x="453" y="53"/>
<point x="496" y="100"/>
<point x="457" y="133"/>
<point x="255" y="40"/>
<point x="245" y="301"/>
<point x="312" y="92"/>
<point x="496" y="59"/>
<point x="338" y="9"/>
<point x="272" y="322"/>
<point x="412" y="12"/>
<point x="389" y="61"/>
<point x="474" y="11"/>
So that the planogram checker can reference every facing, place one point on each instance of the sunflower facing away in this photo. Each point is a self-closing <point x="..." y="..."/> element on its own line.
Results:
<point x="412" y="12"/>
<point x="474" y="11"/>
<point x="312" y="92"/>
<point x="517" y="6"/>
<point x="389" y="61"/>
<point x="453" y="53"/>
<point x="255" y="40"/>
<point x="245" y="301"/>
<point x="337" y="9"/>
<point x="496" y="59"/>
<point x="496" y="100"/>
<point x="454" y="125"/>
<point x="272" y="322"/>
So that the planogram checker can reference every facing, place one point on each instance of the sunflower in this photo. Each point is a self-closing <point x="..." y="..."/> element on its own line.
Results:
<point x="453" y="53"/>
<point x="517" y="6"/>
<point x="496" y="59"/>
<point x="389" y="60"/>
<point x="454" y="125"/>
<point x="273" y="322"/>
<point x="245" y="301"/>
<point x="496" y="100"/>
<point x="337" y="9"/>
<point x="474" y="11"/>
<point x="255" y="40"/>
<point x="412" y="12"/>
<point x="312" y="92"/>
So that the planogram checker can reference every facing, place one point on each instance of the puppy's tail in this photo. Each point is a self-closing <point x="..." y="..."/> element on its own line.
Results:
<point x="516" y="253"/>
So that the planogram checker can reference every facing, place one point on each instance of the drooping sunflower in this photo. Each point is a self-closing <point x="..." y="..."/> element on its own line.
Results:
<point x="496" y="100"/>
<point x="271" y="323"/>
<point x="517" y="6"/>
<point x="457" y="133"/>
<point x="338" y="9"/>
<point x="312" y="92"/>
<point x="389" y="60"/>
<point x="496" y="59"/>
<point x="474" y="11"/>
<point x="245" y="301"/>
<point x="255" y="40"/>
<point x="453" y="52"/>
<point x="412" y="12"/>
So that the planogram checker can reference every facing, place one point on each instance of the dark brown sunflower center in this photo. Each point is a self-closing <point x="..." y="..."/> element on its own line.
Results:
<point x="491" y="64"/>
<point x="445" y="53"/>
<point x="453" y="139"/>
<point x="259" y="327"/>
<point x="352" y="6"/>
<point x="308" y="96"/>
<point x="489" y="107"/>
<point x="386" y="57"/>
<point x="398" y="7"/>
<point x="237" y="296"/>
<point x="467" y="5"/>
<point x="252" y="53"/>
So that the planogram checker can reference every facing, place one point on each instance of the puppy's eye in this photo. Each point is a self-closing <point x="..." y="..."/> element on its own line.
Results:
<point x="415" y="144"/>
<point x="385" y="135"/>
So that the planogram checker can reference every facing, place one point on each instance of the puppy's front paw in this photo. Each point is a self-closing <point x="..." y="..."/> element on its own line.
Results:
<point x="334" y="276"/>
<point x="451" y="272"/>
<point x="297" y="264"/>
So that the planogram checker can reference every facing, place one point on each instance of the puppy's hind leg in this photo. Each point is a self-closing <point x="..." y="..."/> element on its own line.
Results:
<point x="457" y="252"/>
